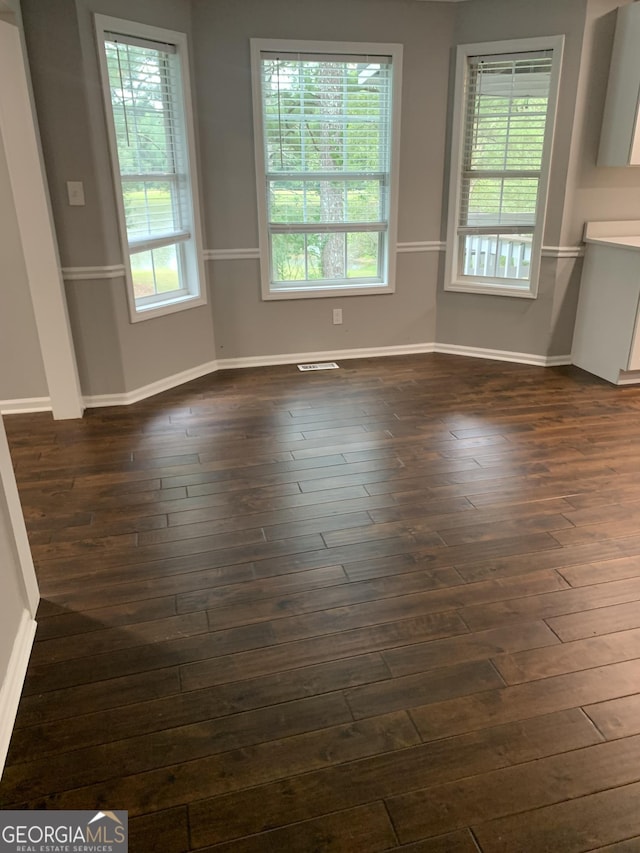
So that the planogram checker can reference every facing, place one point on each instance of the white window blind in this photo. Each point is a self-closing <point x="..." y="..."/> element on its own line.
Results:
<point x="146" y="101"/>
<point x="507" y="105"/>
<point x="327" y="138"/>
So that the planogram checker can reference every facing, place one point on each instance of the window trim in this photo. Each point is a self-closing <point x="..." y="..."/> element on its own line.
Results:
<point x="195" y="294"/>
<point x="330" y="48"/>
<point x="495" y="286"/>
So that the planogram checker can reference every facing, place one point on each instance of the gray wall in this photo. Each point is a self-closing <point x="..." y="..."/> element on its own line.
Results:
<point x="543" y="326"/>
<point x="245" y="325"/>
<point x="579" y="191"/>
<point x="491" y="20"/>
<point x="21" y="369"/>
<point x="115" y="355"/>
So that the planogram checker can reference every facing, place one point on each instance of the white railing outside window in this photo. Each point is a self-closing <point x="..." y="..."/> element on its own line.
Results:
<point x="500" y="256"/>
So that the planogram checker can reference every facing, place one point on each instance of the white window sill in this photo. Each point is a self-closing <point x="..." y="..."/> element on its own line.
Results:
<point x="311" y="292"/>
<point x="490" y="289"/>
<point x="167" y="306"/>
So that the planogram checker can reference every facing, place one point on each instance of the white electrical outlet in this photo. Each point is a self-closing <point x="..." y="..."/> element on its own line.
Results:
<point x="337" y="316"/>
<point x="75" y="192"/>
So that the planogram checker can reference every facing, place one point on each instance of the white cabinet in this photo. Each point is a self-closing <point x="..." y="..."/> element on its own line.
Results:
<point x="606" y="340"/>
<point x="620" y="137"/>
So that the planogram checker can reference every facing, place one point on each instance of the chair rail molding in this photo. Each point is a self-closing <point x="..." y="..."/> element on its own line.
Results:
<point x="93" y="273"/>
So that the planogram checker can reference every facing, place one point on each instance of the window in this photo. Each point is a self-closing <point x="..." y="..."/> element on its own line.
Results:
<point x="147" y="99"/>
<point x="326" y="128"/>
<point x="504" y="115"/>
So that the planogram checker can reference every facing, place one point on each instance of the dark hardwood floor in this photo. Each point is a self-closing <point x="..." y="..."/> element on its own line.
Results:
<point x="395" y="605"/>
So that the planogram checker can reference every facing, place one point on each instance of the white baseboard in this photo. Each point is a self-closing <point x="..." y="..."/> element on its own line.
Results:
<point x="628" y="377"/>
<point x="11" y="688"/>
<point x="558" y="360"/>
<point x="165" y="384"/>
<point x="102" y="400"/>
<point x="504" y="355"/>
<point x="43" y="404"/>
<point x="25" y="406"/>
<point x="326" y="355"/>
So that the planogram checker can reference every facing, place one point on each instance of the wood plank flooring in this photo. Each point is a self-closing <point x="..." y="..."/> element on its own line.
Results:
<point x="392" y="606"/>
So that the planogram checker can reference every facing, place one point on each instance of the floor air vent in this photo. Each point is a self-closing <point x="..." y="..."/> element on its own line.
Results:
<point x="323" y="365"/>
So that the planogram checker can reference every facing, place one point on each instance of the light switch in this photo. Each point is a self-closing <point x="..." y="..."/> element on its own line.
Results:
<point x="75" y="191"/>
